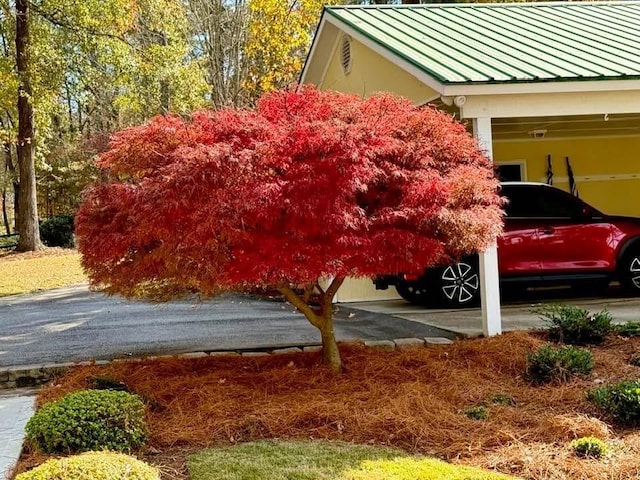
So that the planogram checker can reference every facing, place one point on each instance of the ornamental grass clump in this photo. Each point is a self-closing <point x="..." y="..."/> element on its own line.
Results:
<point x="576" y="326"/>
<point x="621" y="401"/>
<point x="93" y="466"/>
<point x="589" y="447"/>
<point x="549" y="364"/>
<point x="89" y="420"/>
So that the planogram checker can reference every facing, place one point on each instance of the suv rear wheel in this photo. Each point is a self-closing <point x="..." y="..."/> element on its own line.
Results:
<point x="413" y="292"/>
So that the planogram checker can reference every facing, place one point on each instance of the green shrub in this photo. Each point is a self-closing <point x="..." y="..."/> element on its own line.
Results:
<point x="500" y="399"/>
<point x="589" y="447"/>
<point x="89" y="420"/>
<point x="576" y="326"/>
<point x="621" y="401"/>
<point x="57" y="231"/>
<point x="477" y="413"/>
<point x="548" y="364"/>
<point x="629" y="329"/>
<point x="93" y="466"/>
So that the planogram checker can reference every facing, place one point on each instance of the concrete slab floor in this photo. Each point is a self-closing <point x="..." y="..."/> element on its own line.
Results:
<point x="16" y="407"/>
<point x="515" y="316"/>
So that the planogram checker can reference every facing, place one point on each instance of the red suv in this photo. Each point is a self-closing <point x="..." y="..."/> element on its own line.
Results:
<point x="550" y="238"/>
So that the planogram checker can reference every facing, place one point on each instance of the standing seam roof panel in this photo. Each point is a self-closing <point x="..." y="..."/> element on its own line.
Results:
<point x="548" y="42"/>
<point x="562" y="67"/>
<point x="468" y="53"/>
<point x="450" y="32"/>
<point x="611" y="61"/>
<point x="507" y="43"/>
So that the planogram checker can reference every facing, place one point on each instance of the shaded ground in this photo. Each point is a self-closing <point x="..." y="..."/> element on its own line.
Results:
<point x="517" y="312"/>
<point x="413" y="399"/>
<point x="72" y="324"/>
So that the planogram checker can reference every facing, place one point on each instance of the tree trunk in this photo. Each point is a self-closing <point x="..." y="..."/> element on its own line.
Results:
<point x="330" y="351"/>
<point x="28" y="202"/>
<point x="7" y="172"/>
<point x="321" y="318"/>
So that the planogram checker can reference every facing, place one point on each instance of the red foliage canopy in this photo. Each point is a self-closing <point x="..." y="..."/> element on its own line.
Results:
<point x="309" y="184"/>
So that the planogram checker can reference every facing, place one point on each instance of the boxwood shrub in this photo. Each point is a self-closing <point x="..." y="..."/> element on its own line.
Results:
<point x="93" y="466"/>
<point x="549" y="364"/>
<point x="621" y="401"/>
<point x="89" y="420"/>
<point x="576" y="326"/>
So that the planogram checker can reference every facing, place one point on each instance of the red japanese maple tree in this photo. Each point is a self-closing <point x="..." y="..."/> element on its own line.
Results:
<point x="309" y="185"/>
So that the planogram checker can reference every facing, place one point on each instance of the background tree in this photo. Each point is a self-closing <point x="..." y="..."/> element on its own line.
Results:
<point x="96" y="66"/>
<point x="310" y="185"/>
<point x="279" y="34"/>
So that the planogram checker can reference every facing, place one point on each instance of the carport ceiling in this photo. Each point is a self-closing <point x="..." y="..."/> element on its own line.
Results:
<point x="566" y="127"/>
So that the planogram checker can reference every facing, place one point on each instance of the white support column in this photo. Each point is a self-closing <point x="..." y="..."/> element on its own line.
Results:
<point x="489" y="280"/>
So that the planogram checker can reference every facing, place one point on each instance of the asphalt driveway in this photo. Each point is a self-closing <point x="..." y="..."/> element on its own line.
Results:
<point x="73" y="324"/>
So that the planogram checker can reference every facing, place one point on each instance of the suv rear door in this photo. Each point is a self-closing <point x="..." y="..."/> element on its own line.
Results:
<point x="518" y="247"/>
<point x="572" y="237"/>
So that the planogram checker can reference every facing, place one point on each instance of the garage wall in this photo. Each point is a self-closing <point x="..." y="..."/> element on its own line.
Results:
<point x="606" y="169"/>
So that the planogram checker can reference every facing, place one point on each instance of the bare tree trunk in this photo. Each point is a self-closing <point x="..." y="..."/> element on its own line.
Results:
<point x="28" y="208"/>
<point x="7" y="170"/>
<point x="322" y="319"/>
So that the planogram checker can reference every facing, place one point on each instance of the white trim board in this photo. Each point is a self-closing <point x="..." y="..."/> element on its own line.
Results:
<point x="595" y="178"/>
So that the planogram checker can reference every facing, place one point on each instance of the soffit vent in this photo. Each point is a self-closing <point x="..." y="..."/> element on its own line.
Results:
<point x="345" y="54"/>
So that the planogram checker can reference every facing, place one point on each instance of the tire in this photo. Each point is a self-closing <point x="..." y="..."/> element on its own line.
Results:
<point x="630" y="272"/>
<point x="459" y="284"/>
<point x="413" y="292"/>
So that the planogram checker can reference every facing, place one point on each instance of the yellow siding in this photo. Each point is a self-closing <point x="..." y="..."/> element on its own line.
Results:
<point x="363" y="289"/>
<point x="612" y="159"/>
<point x="371" y="73"/>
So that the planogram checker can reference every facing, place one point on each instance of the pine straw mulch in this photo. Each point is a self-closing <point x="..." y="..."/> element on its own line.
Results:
<point x="412" y="399"/>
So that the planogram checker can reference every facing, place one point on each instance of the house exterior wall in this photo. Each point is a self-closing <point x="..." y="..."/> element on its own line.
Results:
<point x="606" y="169"/>
<point x="371" y="73"/>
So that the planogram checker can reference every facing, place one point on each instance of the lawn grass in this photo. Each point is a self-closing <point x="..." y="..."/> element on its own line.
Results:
<point x="30" y="273"/>
<point x="318" y="460"/>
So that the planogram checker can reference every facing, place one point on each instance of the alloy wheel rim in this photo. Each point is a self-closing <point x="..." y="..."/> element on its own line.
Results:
<point x="460" y="282"/>
<point x="634" y="270"/>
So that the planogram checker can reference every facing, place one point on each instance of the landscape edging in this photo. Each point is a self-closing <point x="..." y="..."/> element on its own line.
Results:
<point x="34" y="375"/>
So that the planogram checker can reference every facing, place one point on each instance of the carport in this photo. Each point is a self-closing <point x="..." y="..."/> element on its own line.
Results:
<point x="558" y="79"/>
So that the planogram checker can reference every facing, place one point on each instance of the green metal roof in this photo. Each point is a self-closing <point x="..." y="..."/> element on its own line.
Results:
<point x="507" y="43"/>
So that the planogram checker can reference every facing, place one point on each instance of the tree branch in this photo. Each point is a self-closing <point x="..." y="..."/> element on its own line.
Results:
<point x="302" y="306"/>
<point x="335" y="285"/>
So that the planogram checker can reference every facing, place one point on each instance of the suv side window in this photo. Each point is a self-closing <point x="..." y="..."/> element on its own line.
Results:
<point x="530" y="201"/>
<point x="555" y="204"/>
<point x="518" y="201"/>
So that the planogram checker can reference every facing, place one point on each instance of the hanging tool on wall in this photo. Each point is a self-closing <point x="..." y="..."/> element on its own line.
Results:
<point x="549" y="170"/>
<point x="572" y="181"/>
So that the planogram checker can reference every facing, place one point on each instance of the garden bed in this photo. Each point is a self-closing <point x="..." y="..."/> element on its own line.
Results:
<point x="412" y="399"/>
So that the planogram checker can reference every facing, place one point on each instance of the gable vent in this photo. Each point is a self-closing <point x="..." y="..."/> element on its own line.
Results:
<point x="345" y="54"/>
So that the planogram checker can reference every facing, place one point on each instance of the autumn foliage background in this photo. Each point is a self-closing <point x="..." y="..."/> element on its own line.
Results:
<point x="308" y="184"/>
